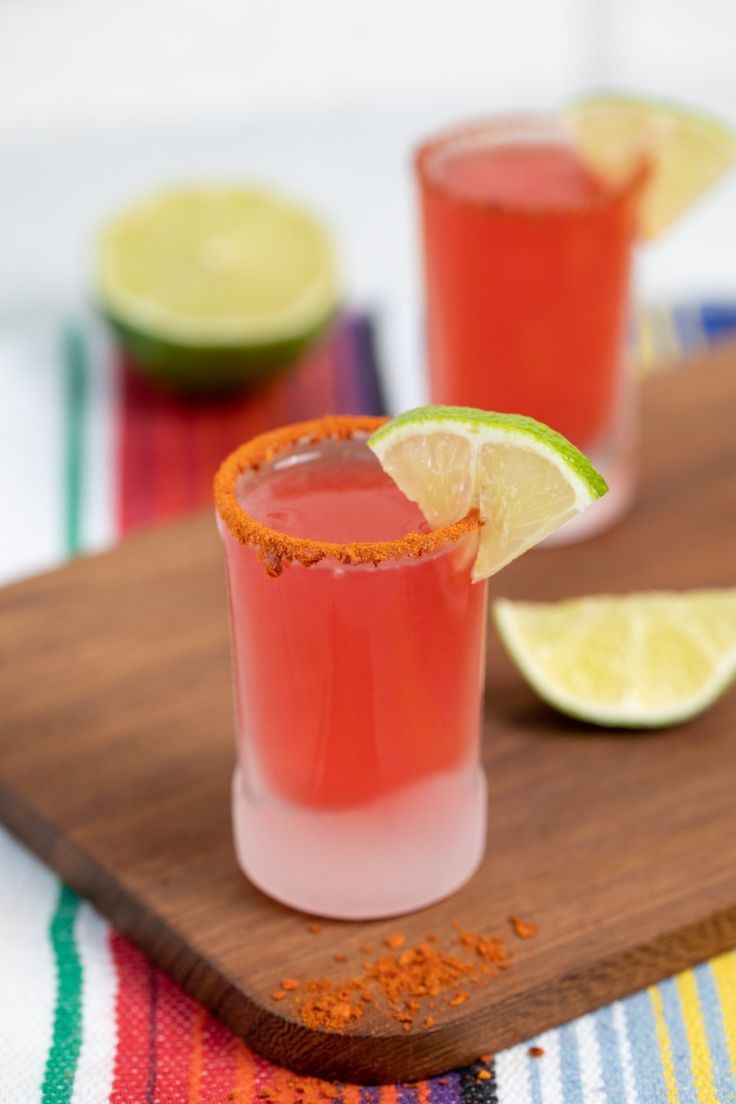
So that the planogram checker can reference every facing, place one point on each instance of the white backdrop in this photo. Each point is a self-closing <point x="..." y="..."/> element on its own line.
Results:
<point x="100" y="99"/>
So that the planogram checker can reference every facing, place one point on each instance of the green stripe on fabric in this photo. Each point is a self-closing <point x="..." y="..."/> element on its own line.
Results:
<point x="75" y="394"/>
<point x="61" y="1064"/>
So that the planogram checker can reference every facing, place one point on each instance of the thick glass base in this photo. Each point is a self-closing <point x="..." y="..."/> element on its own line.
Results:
<point x="400" y="853"/>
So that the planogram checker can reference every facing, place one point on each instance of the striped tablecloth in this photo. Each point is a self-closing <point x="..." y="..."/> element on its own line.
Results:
<point x="89" y="453"/>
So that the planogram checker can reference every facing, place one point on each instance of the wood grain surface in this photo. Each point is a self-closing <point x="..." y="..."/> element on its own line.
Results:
<point x="116" y="750"/>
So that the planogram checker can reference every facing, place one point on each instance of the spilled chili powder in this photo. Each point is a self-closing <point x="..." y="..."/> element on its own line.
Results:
<point x="411" y="981"/>
<point x="525" y="929"/>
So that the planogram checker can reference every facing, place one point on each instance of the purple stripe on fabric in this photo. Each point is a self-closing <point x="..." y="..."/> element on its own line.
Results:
<point x="449" y="1092"/>
<point x="357" y="381"/>
<point x="406" y="1094"/>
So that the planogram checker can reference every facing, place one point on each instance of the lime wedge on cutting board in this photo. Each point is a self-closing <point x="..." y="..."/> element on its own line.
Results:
<point x="640" y="660"/>
<point x="525" y="478"/>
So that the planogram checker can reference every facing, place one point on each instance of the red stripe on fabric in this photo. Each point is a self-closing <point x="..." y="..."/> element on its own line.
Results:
<point x="134" y="453"/>
<point x="175" y="1018"/>
<point x="169" y="449"/>
<point x="132" y="1063"/>
<point x="171" y="458"/>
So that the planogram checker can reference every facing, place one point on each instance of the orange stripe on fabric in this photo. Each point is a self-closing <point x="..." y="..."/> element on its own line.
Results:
<point x="245" y="1074"/>
<point x="423" y="1092"/>
<point x="195" y="1063"/>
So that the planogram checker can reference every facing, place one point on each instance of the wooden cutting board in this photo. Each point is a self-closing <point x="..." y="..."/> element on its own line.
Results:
<point x="116" y="750"/>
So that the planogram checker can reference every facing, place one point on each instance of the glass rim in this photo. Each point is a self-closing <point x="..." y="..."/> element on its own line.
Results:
<point x="466" y="134"/>
<point x="275" y="547"/>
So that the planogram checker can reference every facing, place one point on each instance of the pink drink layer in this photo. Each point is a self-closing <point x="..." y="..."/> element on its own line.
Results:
<point x="358" y="693"/>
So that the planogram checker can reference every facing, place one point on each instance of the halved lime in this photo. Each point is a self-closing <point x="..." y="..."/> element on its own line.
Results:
<point x="638" y="661"/>
<point x="687" y="152"/>
<point x="525" y="478"/>
<point x="213" y="286"/>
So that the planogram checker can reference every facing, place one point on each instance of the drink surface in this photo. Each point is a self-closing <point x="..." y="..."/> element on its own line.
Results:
<point x="531" y="175"/>
<point x="527" y="261"/>
<point x="332" y="491"/>
<point x="352" y="682"/>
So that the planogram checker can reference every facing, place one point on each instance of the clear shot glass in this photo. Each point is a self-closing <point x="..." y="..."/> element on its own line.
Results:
<point x="358" y="667"/>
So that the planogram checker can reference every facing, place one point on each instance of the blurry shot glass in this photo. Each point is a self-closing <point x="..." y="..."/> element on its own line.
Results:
<point x="527" y="261"/>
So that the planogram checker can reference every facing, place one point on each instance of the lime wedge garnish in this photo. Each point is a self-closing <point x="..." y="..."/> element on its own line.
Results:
<point x="638" y="661"/>
<point x="525" y="478"/>
<point x="687" y="152"/>
<point x="235" y="274"/>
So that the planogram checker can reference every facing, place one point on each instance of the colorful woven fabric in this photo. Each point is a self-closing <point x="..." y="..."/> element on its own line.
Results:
<point x="85" y="1018"/>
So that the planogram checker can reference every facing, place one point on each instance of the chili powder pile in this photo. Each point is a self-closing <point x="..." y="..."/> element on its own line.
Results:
<point x="411" y="981"/>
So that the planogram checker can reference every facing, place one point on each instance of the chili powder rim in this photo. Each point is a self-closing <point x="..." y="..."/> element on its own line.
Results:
<point x="615" y="193"/>
<point x="275" y="547"/>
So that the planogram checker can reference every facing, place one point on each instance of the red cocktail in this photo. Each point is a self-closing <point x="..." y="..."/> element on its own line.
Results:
<point x="527" y="267"/>
<point x="358" y="643"/>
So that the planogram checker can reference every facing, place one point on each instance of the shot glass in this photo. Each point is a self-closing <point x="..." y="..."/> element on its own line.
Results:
<point x="358" y="667"/>
<point x="527" y="262"/>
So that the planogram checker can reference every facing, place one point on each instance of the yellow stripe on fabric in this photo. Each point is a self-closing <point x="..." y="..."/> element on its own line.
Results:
<point x="195" y="1068"/>
<point x="724" y="972"/>
<point x="697" y="1038"/>
<point x="665" y="1046"/>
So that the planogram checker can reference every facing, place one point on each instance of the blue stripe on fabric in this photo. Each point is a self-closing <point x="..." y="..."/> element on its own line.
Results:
<point x="641" y="1032"/>
<point x="719" y="320"/>
<point x="610" y="1054"/>
<point x="572" y="1087"/>
<point x="672" y="1012"/>
<point x="535" y="1080"/>
<point x="710" y="1007"/>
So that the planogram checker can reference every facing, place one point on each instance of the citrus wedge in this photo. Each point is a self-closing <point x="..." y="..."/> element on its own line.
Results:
<point x="687" y="152"/>
<point x="213" y="285"/>
<point x="525" y="478"/>
<point x="638" y="661"/>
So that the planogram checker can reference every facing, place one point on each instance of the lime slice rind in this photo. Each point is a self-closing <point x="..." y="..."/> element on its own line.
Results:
<point x="655" y="654"/>
<point x="526" y="432"/>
